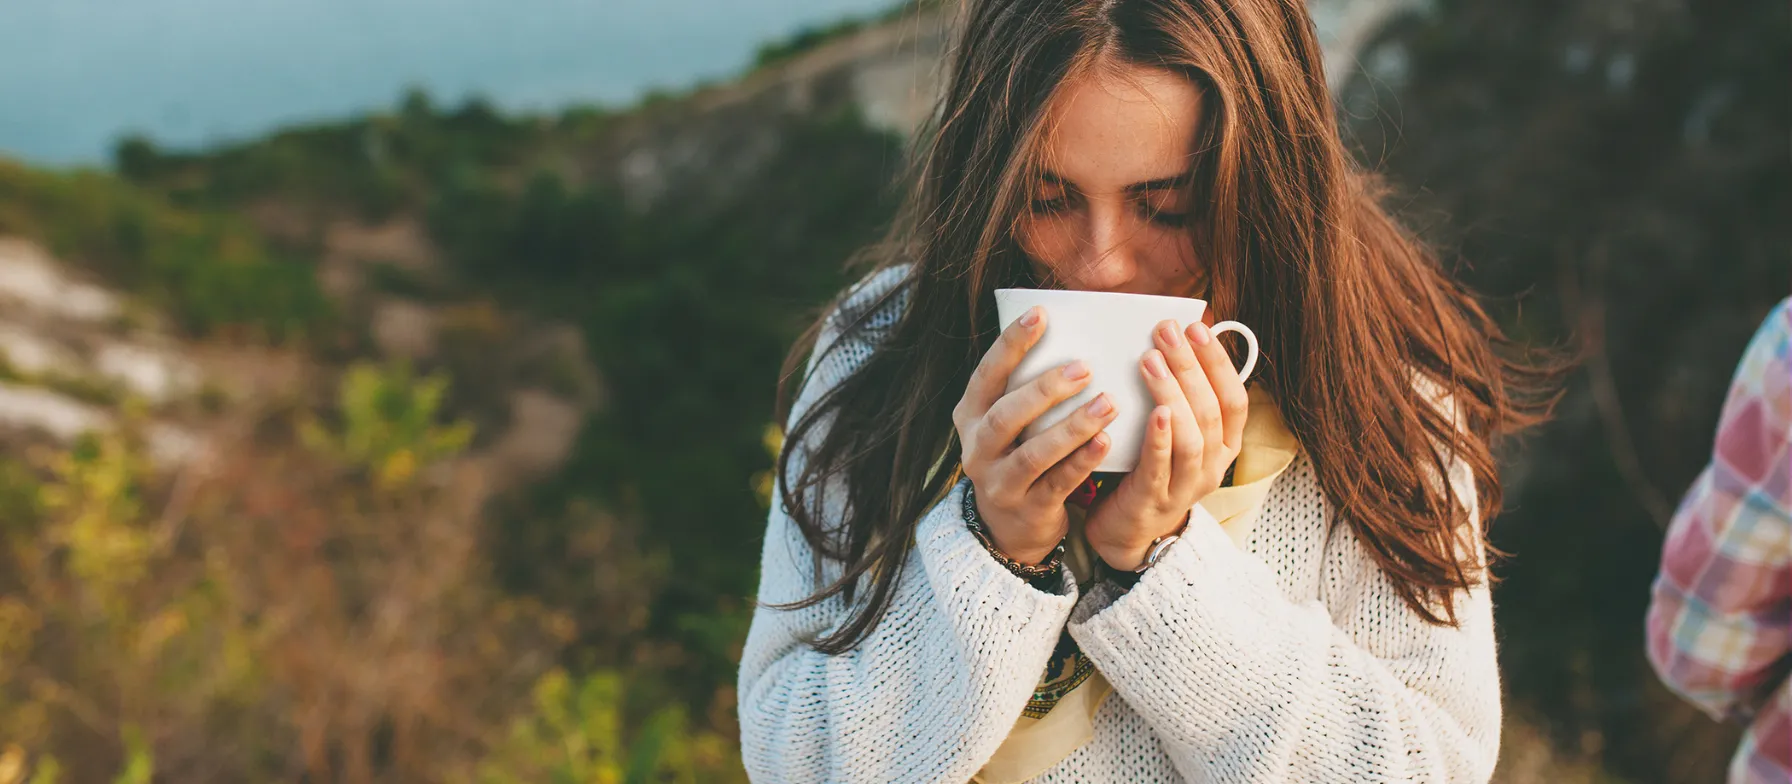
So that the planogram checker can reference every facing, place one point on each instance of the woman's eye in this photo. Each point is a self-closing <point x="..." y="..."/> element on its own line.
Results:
<point x="1050" y="205"/>
<point x="1164" y="217"/>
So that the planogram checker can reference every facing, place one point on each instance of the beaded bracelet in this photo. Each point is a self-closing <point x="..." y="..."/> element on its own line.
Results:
<point x="980" y="529"/>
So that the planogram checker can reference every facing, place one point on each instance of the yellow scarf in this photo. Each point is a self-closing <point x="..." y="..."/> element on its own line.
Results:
<point x="1035" y="744"/>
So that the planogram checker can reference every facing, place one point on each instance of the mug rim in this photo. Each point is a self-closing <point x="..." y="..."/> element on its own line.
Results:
<point x="1100" y="294"/>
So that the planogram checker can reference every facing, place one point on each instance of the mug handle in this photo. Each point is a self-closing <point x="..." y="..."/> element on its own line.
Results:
<point x="1249" y="338"/>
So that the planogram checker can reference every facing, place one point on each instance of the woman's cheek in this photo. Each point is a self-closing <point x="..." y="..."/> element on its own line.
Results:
<point x="1045" y="240"/>
<point x="1173" y="259"/>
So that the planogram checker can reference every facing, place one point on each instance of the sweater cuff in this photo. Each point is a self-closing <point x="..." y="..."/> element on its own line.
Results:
<point x="1204" y="578"/>
<point x="1206" y="555"/>
<point x="1204" y="642"/>
<point x="979" y="594"/>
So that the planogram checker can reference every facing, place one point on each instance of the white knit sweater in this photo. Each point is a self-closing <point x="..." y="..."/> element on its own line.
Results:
<point x="1291" y="660"/>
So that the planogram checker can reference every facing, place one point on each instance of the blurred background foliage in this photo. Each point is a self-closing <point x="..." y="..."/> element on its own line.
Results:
<point x="344" y="587"/>
<point x="212" y="270"/>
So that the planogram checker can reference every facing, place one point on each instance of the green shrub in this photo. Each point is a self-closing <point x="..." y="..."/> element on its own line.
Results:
<point x="576" y="735"/>
<point x="388" y="423"/>
<point x="211" y="271"/>
<point x="804" y="40"/>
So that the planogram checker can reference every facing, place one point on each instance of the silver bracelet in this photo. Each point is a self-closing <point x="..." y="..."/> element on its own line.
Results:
<point x="1161" y="543"/>
<point x="1157" y="549"/>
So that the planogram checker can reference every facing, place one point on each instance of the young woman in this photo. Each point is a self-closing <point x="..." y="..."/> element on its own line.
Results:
<point x="1290" y="587"/>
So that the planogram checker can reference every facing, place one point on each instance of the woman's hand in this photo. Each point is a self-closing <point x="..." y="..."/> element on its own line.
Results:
<point x="1021" y="487"/>
<point x="1190" y="439"/>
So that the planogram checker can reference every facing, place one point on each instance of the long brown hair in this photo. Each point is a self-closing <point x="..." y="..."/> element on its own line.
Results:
<point x="1352" y="312"/>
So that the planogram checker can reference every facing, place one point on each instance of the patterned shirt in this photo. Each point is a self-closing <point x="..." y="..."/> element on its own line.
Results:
<point x="1720" y="619"/>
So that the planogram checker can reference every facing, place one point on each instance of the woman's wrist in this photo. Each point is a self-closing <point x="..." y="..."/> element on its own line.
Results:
<point x="1041" y="567"/>
<point x="1138" y="557"/>
<point x="1023" y="556"/>
<point x="1045" y="567"/>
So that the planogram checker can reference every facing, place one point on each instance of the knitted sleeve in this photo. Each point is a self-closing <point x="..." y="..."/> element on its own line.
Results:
<point x="1242" y="684"/>
<point x="930" y="694"/>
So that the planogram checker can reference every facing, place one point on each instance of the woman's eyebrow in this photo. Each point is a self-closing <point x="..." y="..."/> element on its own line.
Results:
<point x="1172" y="182"/>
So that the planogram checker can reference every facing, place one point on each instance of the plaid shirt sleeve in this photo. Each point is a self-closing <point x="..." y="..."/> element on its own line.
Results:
<point x="1720" y="615"/>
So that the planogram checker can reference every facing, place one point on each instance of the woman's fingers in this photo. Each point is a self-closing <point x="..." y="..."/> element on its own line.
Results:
<point x="989" y="381"/>
<point x="1184" y="462"/>
<point x="1010" y="415"/>
<point x="1156" y="453"/>
<point x="1192" y="376"/>
<point x="1062" y="480"/>
<point x="1033" y="460"/>
<point x="1228" y="389"/>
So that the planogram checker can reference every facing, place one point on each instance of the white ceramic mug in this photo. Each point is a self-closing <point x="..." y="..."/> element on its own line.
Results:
<point x="1110" y="333"/>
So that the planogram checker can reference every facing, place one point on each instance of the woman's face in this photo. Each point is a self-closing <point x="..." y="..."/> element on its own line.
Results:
<point x="1109" y="212"/>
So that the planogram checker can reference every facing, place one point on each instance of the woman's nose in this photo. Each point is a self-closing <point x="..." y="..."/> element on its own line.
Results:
<point x="1108" y="244"/>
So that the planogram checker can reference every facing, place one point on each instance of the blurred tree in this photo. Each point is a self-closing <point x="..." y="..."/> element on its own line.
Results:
<point x="1623" y="166"/>
<point x="135" y="158"/>
<point x="416" y="107"/>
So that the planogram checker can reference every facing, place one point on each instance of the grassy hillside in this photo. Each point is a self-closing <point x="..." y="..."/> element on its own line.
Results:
<point x="630" y="568"/>
<point x="208" y="268"/>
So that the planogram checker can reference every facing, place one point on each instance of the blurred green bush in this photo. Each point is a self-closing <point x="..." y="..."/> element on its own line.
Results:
<point x="211" y="271"/>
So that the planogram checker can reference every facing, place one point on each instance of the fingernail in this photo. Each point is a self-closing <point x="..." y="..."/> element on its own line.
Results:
<point x="1199" y="334"/>
<point x="1077" y="369"/>
<point x="1162" y="417"/>
<point x="1167" y="333"/>
<point x="1154" y="362"/>
<point x="1100" y="441"/>
<point x="1030" y="317"/>
<point x="1100" y="406"/>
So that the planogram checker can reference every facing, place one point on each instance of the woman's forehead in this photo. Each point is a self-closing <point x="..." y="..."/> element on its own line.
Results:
<point x="1115" y="127"/>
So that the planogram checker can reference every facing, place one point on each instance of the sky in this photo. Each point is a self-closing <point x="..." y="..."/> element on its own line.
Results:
<point x="77" y="74"/>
